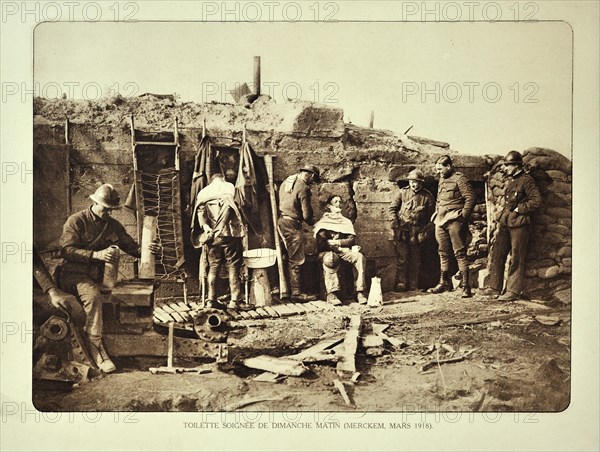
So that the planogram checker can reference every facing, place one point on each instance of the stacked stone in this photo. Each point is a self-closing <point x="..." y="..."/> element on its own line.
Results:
<point x="478" y="247"/>
<point x="548" y="265"/>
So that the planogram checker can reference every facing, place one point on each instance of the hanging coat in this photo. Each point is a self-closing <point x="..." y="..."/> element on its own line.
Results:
<point x="201" y="175"/>
<point x="250" y="187"/>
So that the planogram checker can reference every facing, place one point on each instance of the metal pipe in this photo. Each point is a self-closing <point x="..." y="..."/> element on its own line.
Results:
<point x="257" y="75"/>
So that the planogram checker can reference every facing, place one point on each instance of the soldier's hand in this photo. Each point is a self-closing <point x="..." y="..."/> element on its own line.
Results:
<point x="108" y="255"/>
<point x="155" y="248"/>
<point x="60" y="299"/>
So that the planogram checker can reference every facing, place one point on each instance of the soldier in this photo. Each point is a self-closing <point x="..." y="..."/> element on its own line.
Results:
<point x="410" y="213"/>
<point x="295" y="208"/>
<point x="85" y="245"/>
<point x="455" y="202"/>
<point x="335" y="240"/>
<point x="221" y="230"/>
<point x="521" y="198"/>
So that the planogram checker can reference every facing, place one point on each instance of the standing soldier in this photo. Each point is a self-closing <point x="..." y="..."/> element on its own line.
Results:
<point x="521" y="198"/>
<point x="220" y="228"/>
<point x="455" y="202"/>
<point x="295" y="208"/>
<point x="410" y="213"/>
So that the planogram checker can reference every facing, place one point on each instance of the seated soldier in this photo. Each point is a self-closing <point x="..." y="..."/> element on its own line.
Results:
<point x="335" y="238"/>
<point x="86" y="247"/>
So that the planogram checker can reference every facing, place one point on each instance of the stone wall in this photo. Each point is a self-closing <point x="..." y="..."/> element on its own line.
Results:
<point x="357" y="163"/>
<point x="548" y="266"/>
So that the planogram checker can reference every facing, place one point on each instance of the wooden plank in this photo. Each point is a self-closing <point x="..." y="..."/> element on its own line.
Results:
<point x="177" y="316"/>
<point x="262" y="313"/>
<point x="244" y="315"/>
<point x="299" y="308"/>
<point x="272" y="312"/>
<point x="253" y="314"/>
<point x="308" y="307"/>
<point x="195" y="306"/>
<point x="280" y="366"/>
<point x="318" y="348"/>
<point x="182" y="307"/>
<point x="293" y="308"/>
<point x="167" y="308"/>
<point x="162" y="315"/>
<point x="233" y="314"/>
<point x="347" y="362"/>
<point x="186" y="316"/>
<point x="283" y="311"/>
<point x="340" y="387"/>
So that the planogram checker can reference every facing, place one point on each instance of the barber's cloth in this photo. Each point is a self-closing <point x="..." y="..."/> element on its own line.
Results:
<point x="335" y="222"/>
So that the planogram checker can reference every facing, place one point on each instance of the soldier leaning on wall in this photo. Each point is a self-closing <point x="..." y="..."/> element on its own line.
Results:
<point x="410" y="212"/>
<point x="454" y="205"/>
<point x="521" y="198"/>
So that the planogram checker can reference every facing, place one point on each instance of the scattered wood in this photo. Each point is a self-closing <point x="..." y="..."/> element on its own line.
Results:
<point x="395" y="342"/>
<point x="372" y="340"/>
<point x="340" y="387"/>
<point x="247" y="402"/>
<point x="179" y="370"/>
<point x="347" y="361"/>
<point x="276" y="365"/>
<point x="435" y="362"/>
<point x="269" y="377"/>
<point x="379" y="327"/>
<point x="321" y="351"/>
<point x="448" y="348"/>
<point x="547" y="320"/>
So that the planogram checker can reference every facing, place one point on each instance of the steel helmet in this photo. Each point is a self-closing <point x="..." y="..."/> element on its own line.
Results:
<point x="416" y="175"/>
<point x="514" y="157"/>
<point x="107" y="196"/>
<point x="331" y="260"/>
<point x="312" y="169"/>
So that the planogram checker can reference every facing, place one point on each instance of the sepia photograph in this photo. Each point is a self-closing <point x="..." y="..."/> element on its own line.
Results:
<point x="279" y="216"/>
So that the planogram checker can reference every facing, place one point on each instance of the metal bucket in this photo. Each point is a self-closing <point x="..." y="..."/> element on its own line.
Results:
<point x="260" y="258"/>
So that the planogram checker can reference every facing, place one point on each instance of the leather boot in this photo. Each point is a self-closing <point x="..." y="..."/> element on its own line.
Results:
<point x="235" y="286"/>
<point x="466" y="287"/>
<point x="211" y="289"/>
<point x="99" y="355"/>
<point x="297" y="295"/>
<point x="443" y="286"/>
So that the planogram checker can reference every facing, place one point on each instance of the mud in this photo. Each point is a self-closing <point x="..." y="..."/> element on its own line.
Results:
<point x="516" y="364"/>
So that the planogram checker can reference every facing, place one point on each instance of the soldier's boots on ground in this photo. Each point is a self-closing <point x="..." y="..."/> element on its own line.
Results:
<point x="361" y="298"/>
<point x="444" y="285"/>
<point x="466" y="286"/>
<point x="297" y="295"/>
<point x="100" y="357"/>
<point x="333" y="299"/>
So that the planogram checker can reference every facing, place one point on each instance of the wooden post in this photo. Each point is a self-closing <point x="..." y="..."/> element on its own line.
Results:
<point x="283" y="287"/>
<point x="257" y="75"/>
<point x="260" y="289"/>
<point x="372" y="120"/>
<point x="170" y="344"/>
<point x="148" y="260"/>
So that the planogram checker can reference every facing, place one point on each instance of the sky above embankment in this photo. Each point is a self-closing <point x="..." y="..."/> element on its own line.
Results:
<point x="483" y="87"/>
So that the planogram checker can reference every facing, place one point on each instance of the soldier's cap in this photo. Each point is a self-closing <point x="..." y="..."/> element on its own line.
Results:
<point x="416" y="175"/>
<point x="106" y="196"/>
<point x="312" y="169"/>
<point x="514" y="157"/>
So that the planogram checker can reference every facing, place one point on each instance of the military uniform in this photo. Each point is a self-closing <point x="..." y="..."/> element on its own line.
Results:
<point x="520" y="200"/>
<point x="410" y="213"/>
<point x="216" y="209"/>
<point x="294" y="208"/>
<point x="454" y="204"/>
<point x="83" y="233"/>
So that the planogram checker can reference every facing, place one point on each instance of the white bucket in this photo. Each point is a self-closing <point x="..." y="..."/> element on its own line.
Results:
<point x="260" y="258"/>
<point x="375" y="296"/>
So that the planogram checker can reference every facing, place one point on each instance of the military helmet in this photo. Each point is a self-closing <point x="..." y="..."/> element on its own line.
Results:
<point x="106" y="196"/>
<point x="416" y="175"/>
<point x="514" y="157"/>
<point x="331" y="260"/>
<point x="312" y="169"/>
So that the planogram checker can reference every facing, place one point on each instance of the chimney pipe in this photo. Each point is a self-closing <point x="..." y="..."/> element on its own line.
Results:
<point x="257" y="75"/>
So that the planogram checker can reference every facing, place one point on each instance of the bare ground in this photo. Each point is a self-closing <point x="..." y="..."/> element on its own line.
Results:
<point x="520" y="361"/>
